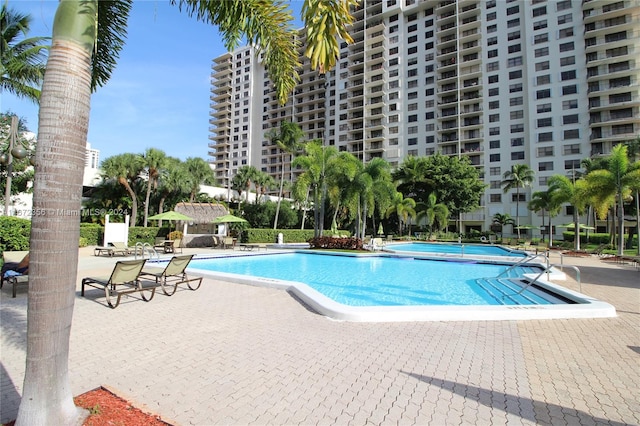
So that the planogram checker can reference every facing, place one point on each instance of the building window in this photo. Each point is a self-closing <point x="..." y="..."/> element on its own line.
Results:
<point x="568" y="75"/>
<point x="515" y="115"/>
<point x="540" y="38"/>
<point x="569" y="90"/>
<point x="495" y="144"/>
<point x="571" y="164"/>
<point x="495" y="171"/>
<point x="516" y="101"/>
<point x="571" y="104"/>
<point x="542" y="94"/>
<point x="543" y="79"/>
<point x="545" y="166"/>
<point x="515" y="74"/>
<point x="545" y="137"/>
<point x="495" y="198"/>
<point x="565" y="47"/>
<point x="494" y="91"/>
<point x="519" y="155"/>
<point x="545" y="151"/>
<point x="565" y="32"/>
<point x="494" y="117"/>
<point x="494" y="158"/>
<point x="540" y="25"/>
<point x="543" y="108"/>
<point x="543" y="51"/>
<point x="494" y="104"/>
<point x="494" y="131"/>
<point x="517" y="141"/>
<point x="540" y="11"/>
<point x="569" y="60"/>
<point x="493" y="66"/>
<point x="541" y="66"/>
<point x="545" y="122"/>
<point x="517" y="128"/>
<point x="573" y="148"/>
<point x="493" y="78"/>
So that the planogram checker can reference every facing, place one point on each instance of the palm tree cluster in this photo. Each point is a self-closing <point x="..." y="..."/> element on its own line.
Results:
<point x="152" y="179"/>
<point x="607" y="185"/>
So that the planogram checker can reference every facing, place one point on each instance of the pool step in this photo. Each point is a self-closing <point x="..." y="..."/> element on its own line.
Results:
<point x="505" y="291"/>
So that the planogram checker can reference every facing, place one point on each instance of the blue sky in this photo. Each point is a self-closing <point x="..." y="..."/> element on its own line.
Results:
<point x="158" y="95"/>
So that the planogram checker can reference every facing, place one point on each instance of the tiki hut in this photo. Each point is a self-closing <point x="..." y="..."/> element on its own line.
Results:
<point x="201" y="227"/>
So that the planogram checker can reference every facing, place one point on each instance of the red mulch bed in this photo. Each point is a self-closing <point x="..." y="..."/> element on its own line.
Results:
<point x="576" y="253"/>
<point x="106" y="408"/>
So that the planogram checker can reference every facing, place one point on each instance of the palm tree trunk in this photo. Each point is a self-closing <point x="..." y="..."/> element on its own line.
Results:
<point x="275" y="221"/>
<point x="304" y="209"/>
<point x="134" y="201"/>
<point x="146" y="202"/>
<point x="621" y="225"/>
<point x="62" y="135"/>
<point x="518" y="211"/>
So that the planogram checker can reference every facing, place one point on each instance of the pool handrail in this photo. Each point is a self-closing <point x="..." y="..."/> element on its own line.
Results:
<point x="546" y="270"/>
<point x="526" y="260"/>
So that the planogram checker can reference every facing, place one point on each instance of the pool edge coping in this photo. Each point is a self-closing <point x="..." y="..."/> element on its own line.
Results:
<point x="587" y="307"/>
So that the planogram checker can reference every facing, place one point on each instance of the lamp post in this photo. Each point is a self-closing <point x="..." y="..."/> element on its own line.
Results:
<point x="13" y="151"/>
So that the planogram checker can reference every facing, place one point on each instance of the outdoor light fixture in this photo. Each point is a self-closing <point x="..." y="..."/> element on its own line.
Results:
<point x="16" y="151"/>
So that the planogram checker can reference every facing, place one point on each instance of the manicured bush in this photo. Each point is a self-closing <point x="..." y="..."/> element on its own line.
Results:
<point x="92" y="233"/>
<point x="140" y="234"/>
<point x="261" y="235"/>
<point x="336" y="243"/>
<point x="14" y="233"/>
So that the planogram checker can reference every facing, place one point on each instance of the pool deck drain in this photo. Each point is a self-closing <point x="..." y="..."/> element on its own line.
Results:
<point x="237" y="354"/>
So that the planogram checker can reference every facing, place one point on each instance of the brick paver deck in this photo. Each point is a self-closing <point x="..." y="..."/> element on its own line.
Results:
<point x="237" y="354"/>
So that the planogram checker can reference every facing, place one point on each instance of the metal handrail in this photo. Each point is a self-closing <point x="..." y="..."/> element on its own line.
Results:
<point x="525" y="260"/>
<point x="145" y="248"/>
<point x="547" y="270"/>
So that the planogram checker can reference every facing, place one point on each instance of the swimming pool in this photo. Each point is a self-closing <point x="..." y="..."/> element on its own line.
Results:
<point x="401" y="288"/>
<point x="450" y="249"/>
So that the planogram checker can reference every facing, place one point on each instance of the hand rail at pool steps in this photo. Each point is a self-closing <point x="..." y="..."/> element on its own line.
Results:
<point x="526" y="260"/>
<point x="575" y="268"/>
<point x="145" y="248"/>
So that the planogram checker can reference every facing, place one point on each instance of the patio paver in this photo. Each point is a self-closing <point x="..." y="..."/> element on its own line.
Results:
<point x="237" y="354"/>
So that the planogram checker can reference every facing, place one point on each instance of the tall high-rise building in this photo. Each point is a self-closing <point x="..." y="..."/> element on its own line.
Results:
<point x="502" y="82"/>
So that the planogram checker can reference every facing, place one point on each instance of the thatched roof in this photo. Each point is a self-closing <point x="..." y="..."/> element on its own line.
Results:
<point x="201" y="212"/>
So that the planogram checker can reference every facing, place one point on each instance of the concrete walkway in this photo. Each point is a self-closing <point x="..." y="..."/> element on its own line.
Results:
<point x="237" y="354"/>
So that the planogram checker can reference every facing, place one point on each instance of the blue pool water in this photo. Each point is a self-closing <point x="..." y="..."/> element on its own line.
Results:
<point x="385" y="280"/>
<point x="455" y="249"/>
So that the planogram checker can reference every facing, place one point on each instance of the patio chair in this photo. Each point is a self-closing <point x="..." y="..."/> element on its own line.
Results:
<point x="125" y="276"/>
<point x="15" y="269"/>
<point x="177" y="245"/>
<point x="173" y="275"/>
<point x="227" y="242"/>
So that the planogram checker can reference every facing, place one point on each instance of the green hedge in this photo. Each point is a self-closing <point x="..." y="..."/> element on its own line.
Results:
<point x="91" y="233"/>
<point x="14" y="233"/>
<point x="595" y="238"/>
<point x="261" y="235"/>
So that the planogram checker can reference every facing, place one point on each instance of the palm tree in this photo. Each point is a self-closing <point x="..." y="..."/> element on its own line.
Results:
<point x="503" y="220"/>
<point x="243" y="179"/>
<point x="22" y="60"/>
<point x="518" y="177"/>
<point x="173" y="182"/>
<point x="317" y="163"/>
<point x="615" y="184"/>
<point x="87" y="38"/>
<point x="199" y="173"/>
<point x="263" y="182"/>
<point x="543" y="201"/>
<point x="403" y="207"/>
<point x="287" y="139"/>
<point x="154" y="160"/>
<point x="574" y="192"/>
<point x="125" y="169"/>
<point x="433" y="212"/>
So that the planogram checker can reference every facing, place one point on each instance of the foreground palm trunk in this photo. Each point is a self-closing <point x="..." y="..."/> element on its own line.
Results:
<point x="62" y="133"/>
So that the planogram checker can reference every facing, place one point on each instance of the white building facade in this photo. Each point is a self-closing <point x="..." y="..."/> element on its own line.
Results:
<point x="542" y="83"/>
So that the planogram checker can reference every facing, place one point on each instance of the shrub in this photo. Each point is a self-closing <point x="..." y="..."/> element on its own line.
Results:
<point x="14" y="233"/>
<point x="336" y="243"/>
<point x="255" y="235"/>
<point x="174" y="235"/>
<point x="92" y="233"/>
